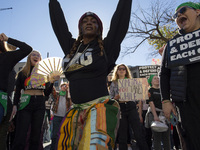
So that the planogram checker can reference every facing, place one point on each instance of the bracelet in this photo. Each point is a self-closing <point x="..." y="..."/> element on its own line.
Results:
<point x="166" y="101"/>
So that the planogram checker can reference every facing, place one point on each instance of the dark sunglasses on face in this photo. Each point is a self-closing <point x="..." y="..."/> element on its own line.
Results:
<point x="121" y="69"/>
<point x="181" y="11"/>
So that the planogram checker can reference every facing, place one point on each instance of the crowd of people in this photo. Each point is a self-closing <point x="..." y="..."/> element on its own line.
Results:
<point x="86" y="113"/>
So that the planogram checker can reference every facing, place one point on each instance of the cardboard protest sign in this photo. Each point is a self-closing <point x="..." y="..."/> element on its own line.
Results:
<point x="133" y="89"/>
<point x="184" y="49"/>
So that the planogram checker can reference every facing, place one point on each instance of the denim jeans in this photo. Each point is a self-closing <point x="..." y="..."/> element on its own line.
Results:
<point x="129" y="115"/>
<point x="56" y="126"/>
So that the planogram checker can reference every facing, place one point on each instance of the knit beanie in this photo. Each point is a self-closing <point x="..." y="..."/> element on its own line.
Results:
<point x="190" y="4"/>
<point x="93" y="15"/>
<point x="150" y="79"/>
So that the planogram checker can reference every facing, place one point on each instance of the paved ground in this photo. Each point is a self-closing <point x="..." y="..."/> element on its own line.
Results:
<point x="48" y="145"/>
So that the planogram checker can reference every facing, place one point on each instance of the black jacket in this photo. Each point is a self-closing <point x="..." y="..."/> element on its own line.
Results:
<point x="173" y="82"/>
<point x="9" y="59"/>
<point x="87" y="76"/>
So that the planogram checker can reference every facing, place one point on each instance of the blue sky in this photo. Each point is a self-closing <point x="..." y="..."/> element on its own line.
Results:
<point x="29" y="21"/>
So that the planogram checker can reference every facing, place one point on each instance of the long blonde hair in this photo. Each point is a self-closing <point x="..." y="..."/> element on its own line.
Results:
<point x="115" y="76"/>
<point x="26" y="70"/>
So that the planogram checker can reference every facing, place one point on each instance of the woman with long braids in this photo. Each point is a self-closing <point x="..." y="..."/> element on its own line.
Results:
<point x="10" y="55"/>
<point x="93" y="121"/>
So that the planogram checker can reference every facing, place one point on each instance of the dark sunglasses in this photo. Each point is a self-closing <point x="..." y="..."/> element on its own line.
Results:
<point x="121" y="69"/>
<point x="182" y="11"/>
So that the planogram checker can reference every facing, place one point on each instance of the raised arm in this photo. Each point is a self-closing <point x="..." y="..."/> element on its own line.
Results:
<point x="20" y="53"/>
<point x="22" y="50"/>
<point x="118" y="27"/>
<point x="60" y="26"/>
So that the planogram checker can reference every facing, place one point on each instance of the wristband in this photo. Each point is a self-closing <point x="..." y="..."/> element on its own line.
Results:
<point x="166" y="101"/>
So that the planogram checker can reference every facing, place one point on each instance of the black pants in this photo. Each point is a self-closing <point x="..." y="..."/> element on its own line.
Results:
<point x="32" y="114"/>
<point x="129" y="115"/>
<point x="176" y="139"/>
<point x="148" y="132"/>
<point x="190" y="115"/>
<point x="4" y="130"/>
<point x="190" y="130"/>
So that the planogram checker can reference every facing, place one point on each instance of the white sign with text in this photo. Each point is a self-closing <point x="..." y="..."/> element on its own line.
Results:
<point x="133" y="89"/>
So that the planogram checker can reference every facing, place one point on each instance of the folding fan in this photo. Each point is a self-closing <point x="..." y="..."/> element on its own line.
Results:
<point x="46" y="70"/>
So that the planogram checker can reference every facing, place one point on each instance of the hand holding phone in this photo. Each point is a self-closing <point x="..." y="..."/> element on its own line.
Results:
<point x="173" y="119"/>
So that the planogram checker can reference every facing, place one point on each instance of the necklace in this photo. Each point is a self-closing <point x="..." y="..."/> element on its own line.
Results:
<point x="75" y="58"/>
<point x="79" y="48"/>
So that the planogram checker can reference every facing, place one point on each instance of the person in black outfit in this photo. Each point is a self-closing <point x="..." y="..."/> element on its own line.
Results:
<point x="88" y="60"/>
<point x="156" y="110"/>
<point x="8" y="59"/>
<point x="129" y="119"/>
<point x="32" y="115"/>
<point x="181" y="82"/>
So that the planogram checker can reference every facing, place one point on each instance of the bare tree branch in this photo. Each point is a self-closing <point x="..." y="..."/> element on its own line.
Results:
<point x="146" y="24"/>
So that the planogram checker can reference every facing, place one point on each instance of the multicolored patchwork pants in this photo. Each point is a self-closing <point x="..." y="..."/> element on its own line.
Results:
<point x="90" y="126"/>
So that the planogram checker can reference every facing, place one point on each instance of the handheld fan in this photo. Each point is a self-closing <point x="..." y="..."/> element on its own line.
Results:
<point x="46" y="70"/>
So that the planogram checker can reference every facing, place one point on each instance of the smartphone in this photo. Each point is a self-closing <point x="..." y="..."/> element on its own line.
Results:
<point x="173" y="119"/>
